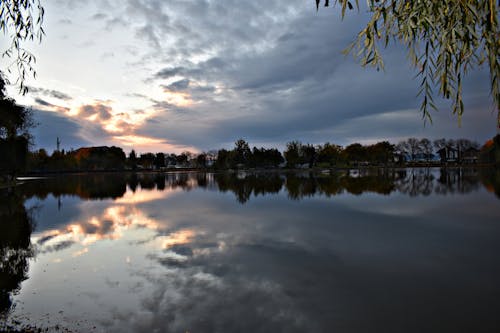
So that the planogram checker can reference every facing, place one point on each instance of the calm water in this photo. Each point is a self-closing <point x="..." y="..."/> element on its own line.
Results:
<point x="406" y="251"/>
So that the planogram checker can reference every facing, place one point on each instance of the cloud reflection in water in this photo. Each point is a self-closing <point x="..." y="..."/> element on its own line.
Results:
<point x="252" y="257"/>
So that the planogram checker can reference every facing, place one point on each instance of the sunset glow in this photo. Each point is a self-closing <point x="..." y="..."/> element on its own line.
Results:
<point x="113" y="222"/>
<point x="131" y="78"/>
<point x="177" y="238"/>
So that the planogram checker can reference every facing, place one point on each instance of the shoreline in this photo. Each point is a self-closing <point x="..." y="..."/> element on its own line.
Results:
<point x="313" y="169"/>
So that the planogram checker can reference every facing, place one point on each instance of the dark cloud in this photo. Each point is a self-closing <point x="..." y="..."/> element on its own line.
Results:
<point x="41" y="102"/>
<point x="50" y="93"/>
<point x="52" y="125"/>
<point x="58" y="247"/>
<point x="304" y="88"/>
<point x="137" y="95"/>
<point x="167" y="73"/>
<point x="180" y="85"/>
<point x="99" y="16"/>
<point x="272" y="73"/>
<point x="102" y="111"/>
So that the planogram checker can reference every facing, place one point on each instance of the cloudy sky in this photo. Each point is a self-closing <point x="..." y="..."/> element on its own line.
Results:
<point x="196" y="75"/>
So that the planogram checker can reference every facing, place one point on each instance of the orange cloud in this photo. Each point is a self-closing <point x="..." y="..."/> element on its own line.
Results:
<point x="180" y="237"/>
<point x="144" y="143"/>
<point x="182" y="99"/>
<point x="121" y="126"/>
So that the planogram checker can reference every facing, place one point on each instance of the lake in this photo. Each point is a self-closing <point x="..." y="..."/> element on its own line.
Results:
<point x="410" y="250"/>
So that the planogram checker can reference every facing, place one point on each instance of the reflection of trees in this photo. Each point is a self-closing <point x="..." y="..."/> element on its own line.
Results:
<point x="306" y="185"/>
<point x="109" y="185"/>
<point x="421" y="181"/>
<point x="96" y="186"/>
<point x="15" y="246"/>
<point x="457" y="181"/>
<point x="244" y="185"/>
<point x="491" y="180"/>
<point x="413" y="182"/>
<point x="382" y="184"/>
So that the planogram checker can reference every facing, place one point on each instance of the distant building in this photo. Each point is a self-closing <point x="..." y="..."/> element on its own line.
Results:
<point x="448" y="155"/>
<point x="470" y="156"/>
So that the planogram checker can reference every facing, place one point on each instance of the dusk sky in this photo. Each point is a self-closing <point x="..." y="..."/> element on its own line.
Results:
<point x="197" y="75"/>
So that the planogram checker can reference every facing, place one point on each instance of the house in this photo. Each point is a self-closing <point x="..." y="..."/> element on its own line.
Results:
<point x="448" y="155"/>
<point x="470" y="156"/>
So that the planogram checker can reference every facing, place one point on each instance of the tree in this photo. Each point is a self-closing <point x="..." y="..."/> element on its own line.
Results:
<point x="445" y="40"/>
<point x="355" y="152"/>
<point x="242" y="153"/>
<point x="382" y="152"/>
<point x="292" y="153"/>
<point x="201" y="160"/>
<point x="147" y="160"/>
<point x="329" y="154"/>
<point x="413" y="145"/>
<point x="19" y="21"/>
<point x="426" y="148"/>
<point x="183" y="159"/>
<point x="402" y="150"/>
<point x="222" y="161"/>
<point x="132" y="159"/>
<point x="439" y="143"/>
<point x="159" y="161"/>
<point x="15" y="122"/>
<point x="308" y="155"/>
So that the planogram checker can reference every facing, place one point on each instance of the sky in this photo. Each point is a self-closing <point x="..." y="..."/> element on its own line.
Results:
<point x="196" y="75"/>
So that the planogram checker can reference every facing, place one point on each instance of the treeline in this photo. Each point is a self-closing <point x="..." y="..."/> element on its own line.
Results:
<point x="409" y="152"/>
<point x="83" y="159"/>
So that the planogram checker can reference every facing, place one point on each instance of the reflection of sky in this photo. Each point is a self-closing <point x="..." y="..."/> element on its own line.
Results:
<point x="199" y="261"/>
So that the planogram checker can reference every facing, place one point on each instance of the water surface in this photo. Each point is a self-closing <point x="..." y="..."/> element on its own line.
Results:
<point x="413" y="250"/>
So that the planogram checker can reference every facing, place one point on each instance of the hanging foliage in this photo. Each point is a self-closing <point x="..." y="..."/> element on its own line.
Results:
<point x="445" y="39"/>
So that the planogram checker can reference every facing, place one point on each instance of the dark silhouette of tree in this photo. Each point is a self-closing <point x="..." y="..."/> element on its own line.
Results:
<point x="223" y="159"/>
<point x="266" y="158"/>
<point x="380" y="153"/>
<point x="99" y="158"/>
<point x="15" y="122"/>
<point x="201" y="160"/>
<point x="159" y="161"/>
<point x="242" y="154"/>
<point x="147" y="160"/>
<point x="355" y="153"/>
<point x="308" y="155"/>
<point x="292" y="153"/>
<point x="183" y="159"/>
<point x="329" y="154"/>
<point x="132" y="160"/>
